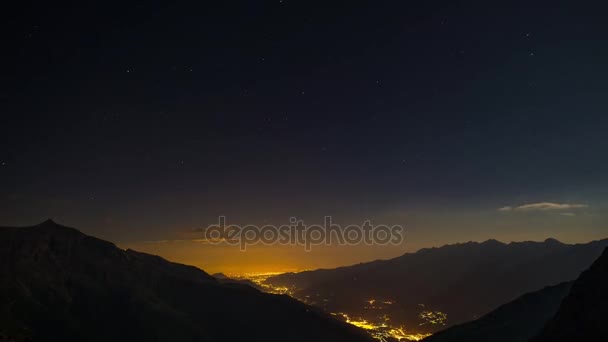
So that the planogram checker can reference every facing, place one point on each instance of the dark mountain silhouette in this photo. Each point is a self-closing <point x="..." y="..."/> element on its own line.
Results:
<point x="57" y="284"/>
<point x="464" y="281"/>
<point x="582" y="314"/>
<point x="517" y="321"/>
<point x="224" y="279"/>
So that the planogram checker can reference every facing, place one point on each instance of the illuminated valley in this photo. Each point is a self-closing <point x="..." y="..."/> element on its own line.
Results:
<point x="382" y="330"/>
<point x="374" y="315"/>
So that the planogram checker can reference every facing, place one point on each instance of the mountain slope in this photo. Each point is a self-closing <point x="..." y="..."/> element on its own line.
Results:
<point x="463" y="281"/>
<point x="57" y="284"/>
<point x="516" y="321"/>
<point x="224" y="279"/>
<point x="582" y="314"/>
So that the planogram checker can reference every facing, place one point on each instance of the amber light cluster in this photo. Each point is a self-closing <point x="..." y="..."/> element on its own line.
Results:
<point x="383" y="329"/>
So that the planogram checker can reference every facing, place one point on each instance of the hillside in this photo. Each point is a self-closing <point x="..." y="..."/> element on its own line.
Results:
<point x="582" y="314"/>
<point x="436" y="288"/>
<point x="57" y="284"/>
<point x="516" y="321"/>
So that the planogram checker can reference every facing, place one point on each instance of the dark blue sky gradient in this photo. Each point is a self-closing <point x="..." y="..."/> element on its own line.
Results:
<point x="135" y="119"/>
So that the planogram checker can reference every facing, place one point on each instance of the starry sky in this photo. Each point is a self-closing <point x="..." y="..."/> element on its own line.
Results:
<point x="461" y="120"/>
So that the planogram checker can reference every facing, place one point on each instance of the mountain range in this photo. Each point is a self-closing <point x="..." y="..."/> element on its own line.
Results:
<point x="57" y="284"/>
<point x="436" y="288"/>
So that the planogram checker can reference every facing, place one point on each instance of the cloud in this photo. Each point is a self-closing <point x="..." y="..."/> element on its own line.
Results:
<point x="544" y="206"/>
<point x="211" y="241"/>
<point x="162" y="241"/>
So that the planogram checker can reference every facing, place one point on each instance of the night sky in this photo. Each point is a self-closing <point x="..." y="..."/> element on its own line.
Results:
<point x="138" y="122"/>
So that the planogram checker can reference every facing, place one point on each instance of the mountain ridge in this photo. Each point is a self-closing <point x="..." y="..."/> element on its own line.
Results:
<point x="59" y="284"/>
<point x="463" y="280"/>
<point x="515" y="321"/>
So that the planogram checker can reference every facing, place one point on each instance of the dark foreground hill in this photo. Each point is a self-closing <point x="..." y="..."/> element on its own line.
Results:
<point x="57" y="284"/>
<point x="464" y="281"/>
<point x="582" y="315"/>
<point x="517" y="321"/>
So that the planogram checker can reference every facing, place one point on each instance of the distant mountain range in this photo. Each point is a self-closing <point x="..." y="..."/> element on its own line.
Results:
<point x="463" y="281"/>
<point x="57" y="284"/>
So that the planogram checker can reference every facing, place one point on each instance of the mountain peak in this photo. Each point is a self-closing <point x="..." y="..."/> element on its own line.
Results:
<point x="52" y="227"/>
<point x="552" y="241"/>
<point x="48" y="222"/>
<point x="492" y="242"/>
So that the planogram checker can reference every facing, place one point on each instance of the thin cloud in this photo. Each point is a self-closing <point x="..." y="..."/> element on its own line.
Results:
<point x="162" y="241"/>
<point x="544" y="206"/>
<point x="211" y="241"/>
